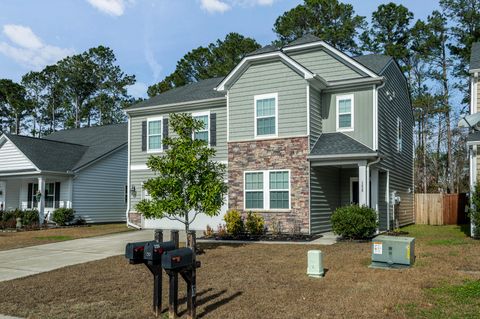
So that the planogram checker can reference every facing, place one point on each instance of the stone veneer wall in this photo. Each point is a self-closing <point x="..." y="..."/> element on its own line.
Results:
<point x="135" y="218"/>
<point x="287" y="153"/>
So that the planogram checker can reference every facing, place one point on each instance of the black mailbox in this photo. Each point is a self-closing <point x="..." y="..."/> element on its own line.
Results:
<point x="153" y="250"/>
<point x="177" y="259"/>
<point x="134" y="251"/>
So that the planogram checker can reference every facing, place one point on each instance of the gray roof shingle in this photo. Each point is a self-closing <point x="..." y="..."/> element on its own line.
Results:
<point x="475" y="56"/>
<point x="307" y="38"/>
<point x="201" y="90"/>
<point x="375" y="62"/>
<point x="473" y="137"/>
<point x="265" y="49"/>
<point x="339" y="144"/>
<point x="49" y="155"/>
<point x="69" y="150"/>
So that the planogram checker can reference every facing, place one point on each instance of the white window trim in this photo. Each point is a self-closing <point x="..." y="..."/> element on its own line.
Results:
<point x="399" y="135"/>
<point x="266" y="191"/>
<point x="352" y="112"/>
<point x="153" y="119"/>
<point x="44" y="195"/>
<point x="264" y="97"/>
<point x="352" y="179"/>
<point x="207" y="113"/>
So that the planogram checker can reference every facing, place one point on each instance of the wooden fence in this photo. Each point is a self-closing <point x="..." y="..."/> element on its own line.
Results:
<point x="440" y="209"/>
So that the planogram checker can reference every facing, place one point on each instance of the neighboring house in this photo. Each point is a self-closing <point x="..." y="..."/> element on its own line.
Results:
<point x="473" y="139"/>
<point x="303" y="129"/>
<point x="84" y="169"/>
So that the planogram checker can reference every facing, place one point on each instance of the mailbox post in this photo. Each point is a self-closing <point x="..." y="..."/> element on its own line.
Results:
<point x="173" y="282"/>
<point x="192" y="283"/>
<point x="156" y="270"/>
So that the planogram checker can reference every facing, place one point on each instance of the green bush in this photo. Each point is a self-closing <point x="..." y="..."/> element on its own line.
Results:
<point x="475" y="211"/>
<point x="255" y="224"/>
<point x="354" y="222"/>
<point x="63" y="216"/>
<point x="234" y="222"/>
<point x="29" y="217"/>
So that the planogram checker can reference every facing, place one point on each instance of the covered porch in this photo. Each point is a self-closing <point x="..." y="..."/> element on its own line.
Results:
<point x="43" y="192"/>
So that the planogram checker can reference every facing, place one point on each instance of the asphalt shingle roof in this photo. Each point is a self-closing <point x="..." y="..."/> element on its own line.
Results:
<point x="70" y="150"/>
<point x="375" y="62"/>
<point x="307" y="38"/>
<point x="475" y="56"/>
<point x="200" y="90"/>
<point x="265" y="49"/>
<point x="473" y="137"/>
<point x="49" y="155"/>
<point x="338" y="144"/>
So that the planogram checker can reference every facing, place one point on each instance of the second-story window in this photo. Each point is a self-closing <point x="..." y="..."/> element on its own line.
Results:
<point x="154" y="135"/>
<point x="345" y="112"/>
<point x="399" y="135"/>
<point x="202" y="134"/>
<point x="266" y="115"/>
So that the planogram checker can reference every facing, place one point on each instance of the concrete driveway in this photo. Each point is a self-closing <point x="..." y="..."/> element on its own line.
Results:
<point x="21" y="262"/>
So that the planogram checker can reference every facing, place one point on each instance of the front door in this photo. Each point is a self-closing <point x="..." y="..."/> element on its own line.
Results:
<point x="354" y="190"/>
<point x="2" y="195"/>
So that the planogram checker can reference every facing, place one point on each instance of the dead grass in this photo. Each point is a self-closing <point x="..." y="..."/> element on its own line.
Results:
<point x="11" y="240"/>
<point x="267" y="281"/>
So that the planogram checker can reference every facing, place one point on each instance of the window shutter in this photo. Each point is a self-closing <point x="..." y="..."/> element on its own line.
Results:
<point x="165" y="132"/>
<point x="213" y="129"/>
<point x="30" y="195"/>
<point x="57" y="195"/>
<point x="144" y="136"/>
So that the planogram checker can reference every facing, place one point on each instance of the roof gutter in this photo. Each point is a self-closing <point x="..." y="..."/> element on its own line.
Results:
<point x="342" y="156"/>
<point x="355" y="82"/>
<point x="162" y="106"/>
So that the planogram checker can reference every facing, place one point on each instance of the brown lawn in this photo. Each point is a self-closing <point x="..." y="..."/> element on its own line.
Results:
<point x="11" y="240"/>
<point x="269" y="281"/>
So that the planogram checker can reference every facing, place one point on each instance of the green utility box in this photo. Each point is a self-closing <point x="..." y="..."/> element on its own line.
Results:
<point x="393" y="252"/>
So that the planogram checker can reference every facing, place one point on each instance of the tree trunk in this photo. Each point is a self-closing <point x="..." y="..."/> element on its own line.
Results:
<point x="76" y="113"/>
<point x="17" y="124"/>
<point x="424" y="150"/>
<point x="187" y="228"/>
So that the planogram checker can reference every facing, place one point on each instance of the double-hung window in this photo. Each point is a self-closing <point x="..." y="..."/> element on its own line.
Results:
<point x="266" y="115"/>
<point x="267" y="190"/>
<point x="345" y="112"/>
<point x="399" y="135"/>
<point x="154" y="135"/>
<point x="202" y="134"/>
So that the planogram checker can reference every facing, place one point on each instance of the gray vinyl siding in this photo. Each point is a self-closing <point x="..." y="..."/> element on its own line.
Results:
<point x="139" y="157"/>
<point x="363" y="114"/>
<point x="325" y="65"/>
<point x="265" y="78"/>
<point x="315" y="116"/>
<point x="400" y="165"/>
<point x="137" y="178"/>
<point x="324" y="197"/>
<point x="99" y="190"/>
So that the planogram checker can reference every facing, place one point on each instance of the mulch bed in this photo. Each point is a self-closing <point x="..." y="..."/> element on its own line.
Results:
<point x="267" y="237"/>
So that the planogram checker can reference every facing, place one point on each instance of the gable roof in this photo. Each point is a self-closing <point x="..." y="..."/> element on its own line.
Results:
<point x="475" y="56"/>
<point x="307" y="38"/>
<point x="337" y="143"/>
<point x="48" y="155"/>
<point x="201" y="90"/>
<point x="375" y="62"/>
<point x="70" y="150"/>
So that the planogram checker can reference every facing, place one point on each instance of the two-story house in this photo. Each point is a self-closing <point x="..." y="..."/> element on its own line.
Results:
<point x="303" y="130"/>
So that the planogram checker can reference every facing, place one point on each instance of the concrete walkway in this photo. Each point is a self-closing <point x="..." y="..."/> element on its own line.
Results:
<point x="22" y="262"/>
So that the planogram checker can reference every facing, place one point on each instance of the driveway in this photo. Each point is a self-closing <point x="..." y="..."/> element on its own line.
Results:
<point x="21" y="262"/>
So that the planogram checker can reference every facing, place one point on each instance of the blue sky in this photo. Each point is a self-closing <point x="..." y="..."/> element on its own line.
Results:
<point x="147" y="36"/>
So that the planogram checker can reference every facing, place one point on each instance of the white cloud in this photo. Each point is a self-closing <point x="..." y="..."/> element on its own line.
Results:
<point x="213" y="6"/>
<point x="28" y="49"/>
<point x="110" y="7"/>
<point x="23" y="36"/>
<point x="139" y="89"/>
<point x="152" y="63"/>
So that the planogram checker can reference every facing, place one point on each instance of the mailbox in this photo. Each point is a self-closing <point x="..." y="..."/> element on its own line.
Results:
<point x="134" y="251"/>
<point x="153" y="250"/>
<point x="177" y="259"/>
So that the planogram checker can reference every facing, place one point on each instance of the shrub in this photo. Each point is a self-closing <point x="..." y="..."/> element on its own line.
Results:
<point x="63" y="216"/>
<point x="208" y="233"/>
<point x="29" y="217"/>
<point x="234" y="222"/>
<point x="354" y="222"/>
<point x="475" y="211"/>
<point x="221" y="231"/>
<point x="255" y="224"/>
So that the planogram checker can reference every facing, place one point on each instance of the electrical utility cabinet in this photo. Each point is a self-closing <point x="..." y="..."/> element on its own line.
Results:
<point x="393" y="252"/>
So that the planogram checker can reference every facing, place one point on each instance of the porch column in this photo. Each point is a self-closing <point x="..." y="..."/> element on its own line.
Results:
<point x="363" y="184"/>
<point x="41" y="202"/>
<point x="374" y="188"/>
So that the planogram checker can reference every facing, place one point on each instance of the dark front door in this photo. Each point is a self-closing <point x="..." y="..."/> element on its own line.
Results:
<point x="354" y="198"/>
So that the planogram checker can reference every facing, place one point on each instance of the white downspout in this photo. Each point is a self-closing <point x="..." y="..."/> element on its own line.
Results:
<point x="387" y="198"/>
<point x="129" y="224"/>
